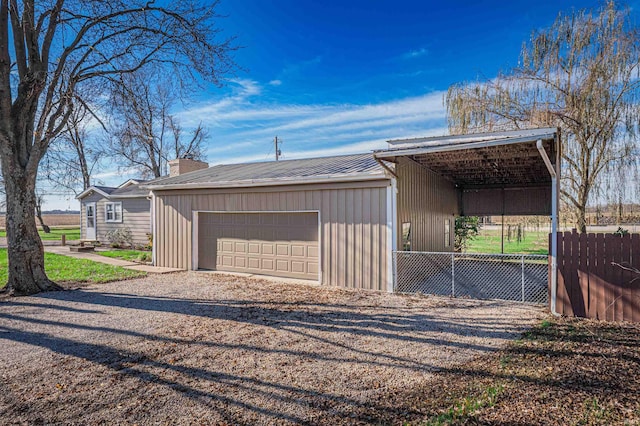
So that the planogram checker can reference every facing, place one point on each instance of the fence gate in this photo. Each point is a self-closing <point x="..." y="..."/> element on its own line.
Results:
<point x="518" y="277"/>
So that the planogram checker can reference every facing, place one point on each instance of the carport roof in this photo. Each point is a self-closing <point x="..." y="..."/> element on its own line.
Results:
<point x="497" y="159"/>
<point x="283" y="172"/>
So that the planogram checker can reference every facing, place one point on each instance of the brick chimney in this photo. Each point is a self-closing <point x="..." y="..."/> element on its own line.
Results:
<point x="180" y="166"/>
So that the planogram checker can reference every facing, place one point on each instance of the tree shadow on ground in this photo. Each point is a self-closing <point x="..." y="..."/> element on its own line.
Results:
<point x="317" y="322"/>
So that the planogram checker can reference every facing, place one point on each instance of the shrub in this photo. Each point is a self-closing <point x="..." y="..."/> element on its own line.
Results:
<point x="120" y="237"/>
<point x="144" y="257"/>
<point x="466" y="229"/>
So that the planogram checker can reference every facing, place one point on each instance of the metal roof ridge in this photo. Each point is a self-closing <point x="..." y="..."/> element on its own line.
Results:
<point x="473" y="137"/>
<point x="295" y="180"/>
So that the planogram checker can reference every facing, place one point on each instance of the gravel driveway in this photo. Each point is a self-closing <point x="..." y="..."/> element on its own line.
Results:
<point x="207" y="349"/>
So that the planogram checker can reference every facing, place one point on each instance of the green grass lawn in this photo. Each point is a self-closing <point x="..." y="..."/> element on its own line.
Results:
<point x="488" y="241"/>
<point x="72" y="233"/>
<point x="68" y="269"/>
<point x="130" y="255"/>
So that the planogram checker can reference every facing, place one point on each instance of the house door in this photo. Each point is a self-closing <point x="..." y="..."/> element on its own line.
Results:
<point x="91" y="221"/>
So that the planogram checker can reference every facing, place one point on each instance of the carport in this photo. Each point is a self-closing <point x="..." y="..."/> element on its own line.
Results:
<point x="498" y="173"/>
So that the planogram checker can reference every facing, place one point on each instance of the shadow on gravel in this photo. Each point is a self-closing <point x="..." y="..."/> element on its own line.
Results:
<point x="319" y="324"/>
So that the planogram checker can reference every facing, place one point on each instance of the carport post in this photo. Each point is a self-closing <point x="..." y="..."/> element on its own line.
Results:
<point x="554" y="224"/>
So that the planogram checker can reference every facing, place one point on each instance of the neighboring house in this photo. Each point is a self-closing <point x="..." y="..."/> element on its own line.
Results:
<point x="338" y="220"/>
<point x="103" y="209"/>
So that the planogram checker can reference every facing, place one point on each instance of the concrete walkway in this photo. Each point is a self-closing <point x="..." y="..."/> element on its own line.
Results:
<point x="64" y="250"/>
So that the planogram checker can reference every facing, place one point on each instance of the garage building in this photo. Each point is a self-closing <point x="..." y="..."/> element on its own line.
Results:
<point x="338" y="220"/>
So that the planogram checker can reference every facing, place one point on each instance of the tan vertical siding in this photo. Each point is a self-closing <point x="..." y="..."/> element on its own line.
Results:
<point x="352" y="225"/>
<point x="425" y="200"/>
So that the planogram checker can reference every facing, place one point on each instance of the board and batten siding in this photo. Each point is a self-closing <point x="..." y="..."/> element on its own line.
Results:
<point x="353" y="225"/>
<point x="426" y="201"/>
<point x="135" y="216"/>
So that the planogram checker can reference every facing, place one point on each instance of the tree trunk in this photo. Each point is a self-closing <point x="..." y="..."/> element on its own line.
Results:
<point x="26" y="253"/>
<point x="581" y="219"/>
<point x="43" y="225"/>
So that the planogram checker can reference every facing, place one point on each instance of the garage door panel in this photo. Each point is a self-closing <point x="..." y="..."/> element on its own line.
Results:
<point x="282" y="249"/>
<point x="282" y="244"/>
<point x="240" y="262"/>
<point x="268" y="249"/>
<point x="297" y="250"/>
<point x="268" y="264"/>
<point x="298" y="267"/>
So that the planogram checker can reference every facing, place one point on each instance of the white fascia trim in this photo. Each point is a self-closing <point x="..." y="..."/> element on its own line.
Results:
<point x="271" y="182"/>
<point x="476" y="137"/>
<point x="127" y="183"/>
<point x="89" y="190"/>
<point x="153" y="229"/>
<point x="392" y="219"/>
<point x="417" y="150"/>
<point x="120" y="197"/>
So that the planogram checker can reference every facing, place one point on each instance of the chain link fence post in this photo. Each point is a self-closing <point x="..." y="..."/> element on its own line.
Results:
<point x="453" y="275"/>
<point x="522" y="267"/>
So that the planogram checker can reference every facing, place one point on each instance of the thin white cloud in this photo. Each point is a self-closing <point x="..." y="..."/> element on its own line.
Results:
<point x="242" y="129"/>
<point x="415" y="53"/>
<point x="275" y="82"/>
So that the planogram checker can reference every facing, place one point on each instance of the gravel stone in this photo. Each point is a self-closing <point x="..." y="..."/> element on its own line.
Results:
<point x="197" y="348"/>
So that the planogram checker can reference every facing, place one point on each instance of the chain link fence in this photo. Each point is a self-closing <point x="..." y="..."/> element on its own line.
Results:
<point x="479" y="276"/>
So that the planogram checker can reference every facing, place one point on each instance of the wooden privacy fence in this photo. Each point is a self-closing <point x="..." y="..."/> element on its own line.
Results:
<point x="596" y="277"/>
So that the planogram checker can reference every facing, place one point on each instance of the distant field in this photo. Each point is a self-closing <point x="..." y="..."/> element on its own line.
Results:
<point x="54" y="220"/>
<point x="72" y="233"/>
<point x="488" y="241"/>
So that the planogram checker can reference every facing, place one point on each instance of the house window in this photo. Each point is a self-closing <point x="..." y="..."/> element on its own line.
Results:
<point x="113" y="212"/>
<point x="406" y="236"/>
<point x="447" y="233"/>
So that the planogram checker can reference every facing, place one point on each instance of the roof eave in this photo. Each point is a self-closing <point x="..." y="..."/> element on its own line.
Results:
<point x="118" y="197"/>
<point x="270" y="182"/>
<point x="89" y="190"/>
<point x="426" y="149"/>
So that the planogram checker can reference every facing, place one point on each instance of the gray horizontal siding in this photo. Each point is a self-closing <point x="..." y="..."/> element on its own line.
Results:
<point x="135" y="216"/>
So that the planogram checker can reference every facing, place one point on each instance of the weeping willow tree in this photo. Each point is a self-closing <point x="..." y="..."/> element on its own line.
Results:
<point x="582" y="75"/>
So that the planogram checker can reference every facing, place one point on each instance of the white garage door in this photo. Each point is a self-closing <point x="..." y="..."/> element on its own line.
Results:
<point x="279" y="244"/>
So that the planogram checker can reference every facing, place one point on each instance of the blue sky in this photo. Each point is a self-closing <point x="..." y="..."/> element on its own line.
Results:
<point x="331" y="77"/>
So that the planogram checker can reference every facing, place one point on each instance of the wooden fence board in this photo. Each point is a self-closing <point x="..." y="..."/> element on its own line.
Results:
<point x="600" y="273"/>
<point x="635" y="282"/>
<point x="590" y="282"/>
<point x="616" y="274"/>
<point x="626" y="296"/>
<point x="582" y="287"/>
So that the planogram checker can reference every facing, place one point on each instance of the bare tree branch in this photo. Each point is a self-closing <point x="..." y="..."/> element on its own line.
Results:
<point x="581" y="74"/>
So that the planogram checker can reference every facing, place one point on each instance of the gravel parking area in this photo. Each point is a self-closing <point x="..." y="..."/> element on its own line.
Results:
<point x="196" y="348"/>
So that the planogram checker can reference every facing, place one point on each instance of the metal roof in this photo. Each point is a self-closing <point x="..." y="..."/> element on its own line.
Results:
<point x="324" y="169"/>
<point x="129" y="191"/>
<point x="497" y="159"/>
<point x="455" y="140"/>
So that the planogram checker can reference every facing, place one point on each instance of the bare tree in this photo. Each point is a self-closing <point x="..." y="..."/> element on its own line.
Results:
<point x="49" y="49"/>
<point x="144" y="133"/>
<point x="75" y="154"/>
<point x="39" y="203"/>
<point x="582" y="75"/>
